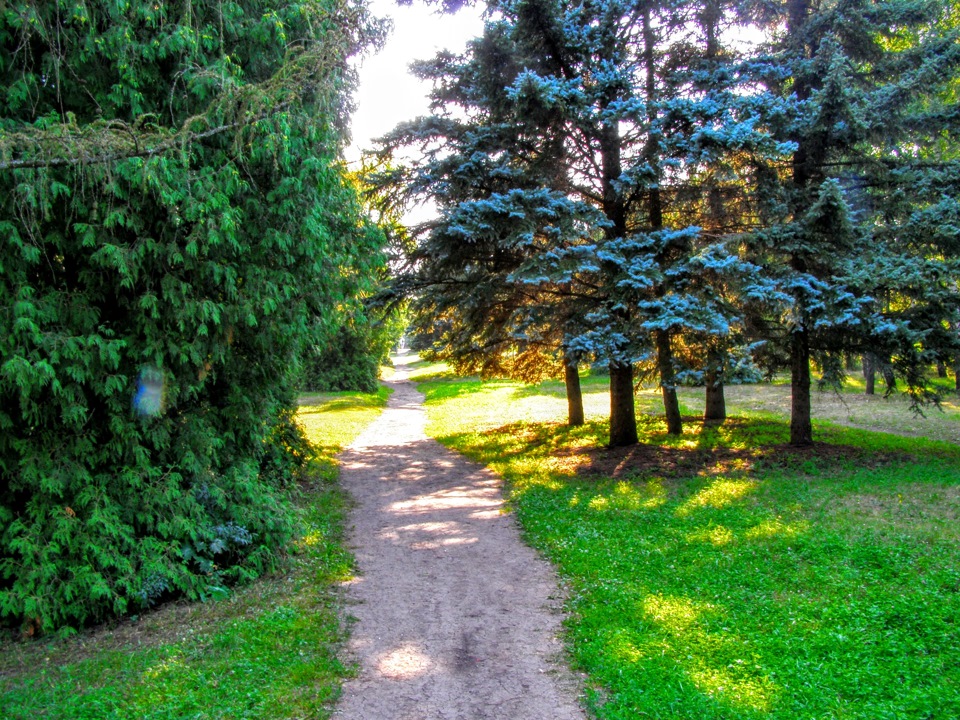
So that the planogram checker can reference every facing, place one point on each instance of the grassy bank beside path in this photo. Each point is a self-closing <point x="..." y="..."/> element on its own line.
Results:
<point x="267" y="650"/>
<point x="723" y="574"/>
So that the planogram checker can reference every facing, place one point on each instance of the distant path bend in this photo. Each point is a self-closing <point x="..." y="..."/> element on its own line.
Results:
<point x="457" y="619"/>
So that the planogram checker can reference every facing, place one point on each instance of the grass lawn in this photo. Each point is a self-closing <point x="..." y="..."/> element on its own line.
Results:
<point x="268" y="650"/>
<point x="723" y="574"/>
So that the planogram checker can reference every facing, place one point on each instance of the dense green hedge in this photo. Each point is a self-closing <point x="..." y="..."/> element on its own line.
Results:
<point x="352" y="358"/>
<point x="176" y="233"/>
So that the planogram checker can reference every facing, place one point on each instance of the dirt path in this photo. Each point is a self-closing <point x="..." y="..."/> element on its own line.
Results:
<point x="457" y="618"/>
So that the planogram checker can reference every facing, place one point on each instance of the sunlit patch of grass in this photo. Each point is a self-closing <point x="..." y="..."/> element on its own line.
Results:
<point x="720" y="493"/>
<point x="717" y="535"/>
<point x="269" y="650"/>
<point x="729" y="686"/>
<point x="777" y="528"/>
<point x="423" y="370"/>
<point x="745" y="580"/>
<point x="675" y="614"/>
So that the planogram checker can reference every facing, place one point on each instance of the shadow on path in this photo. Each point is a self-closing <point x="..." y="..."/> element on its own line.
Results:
<point x="457" y="619"/>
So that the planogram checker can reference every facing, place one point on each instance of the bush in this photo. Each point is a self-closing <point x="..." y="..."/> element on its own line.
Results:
<point x="155" y="306"/>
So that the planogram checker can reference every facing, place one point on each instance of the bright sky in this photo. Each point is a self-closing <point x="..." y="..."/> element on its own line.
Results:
<point x="388" y="94"/>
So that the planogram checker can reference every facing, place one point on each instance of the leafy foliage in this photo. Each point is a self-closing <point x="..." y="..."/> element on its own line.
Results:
<point x="266" y="650"/>
<point x="174" y="240"/>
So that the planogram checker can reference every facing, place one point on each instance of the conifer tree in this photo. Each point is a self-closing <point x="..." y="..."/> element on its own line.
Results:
<point x="595" y="103"/>
<point x="176" y="233"/>
<point x="844" y="94"/>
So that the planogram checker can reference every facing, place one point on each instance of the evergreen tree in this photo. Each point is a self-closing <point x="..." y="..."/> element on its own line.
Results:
<point x="174" y="237"/>
<point x="572" y="107"/>
<point x="844" y="91"/>
<point x="483" y="164"/>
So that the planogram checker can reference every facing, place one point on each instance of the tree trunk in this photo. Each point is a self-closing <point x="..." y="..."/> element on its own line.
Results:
<point x="668" y="383"/>
<point x="801" y="427"/>
<point x="623" y="420"/>
<point x="869" y="372"/>
<point x="888" y="377"/>
<point x="941" y="369"/>
<point x="571" y="379"/>
<point x="956" y="375"/>
<point x="715" y="407"/>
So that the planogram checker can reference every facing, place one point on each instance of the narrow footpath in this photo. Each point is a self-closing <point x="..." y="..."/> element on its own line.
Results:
<point x="457" y="619"/>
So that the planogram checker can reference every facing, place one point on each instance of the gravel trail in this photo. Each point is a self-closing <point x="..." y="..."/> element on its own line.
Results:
<point x="457" y="619"/>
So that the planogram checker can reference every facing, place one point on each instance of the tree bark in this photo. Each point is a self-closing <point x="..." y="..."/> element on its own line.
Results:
<point x="623" y="422"/>
<point x="870" y="373"/>
<point x="715" y="406"/>
<point x="668" y="383"/>
<point x="888" y="377"/>
<point x="941" y="369"/>
<point x="571" y="379"/>
<point x="801" y="426"/>
<point x="956" y="375"/>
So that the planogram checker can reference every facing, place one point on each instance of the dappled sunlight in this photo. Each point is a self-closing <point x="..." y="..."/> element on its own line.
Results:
<point x="164" y="667"/>
<point x="429" y="535"/>
<point x="626" y="496"/>
<point x="776" y="528"/>
<point x="404" y="663"/>
<point x="718" y="494"/>
<point x="622" y="645"/>
<point x="484" y="500"/>
<point x="717" y="536"/>
<point x="313" y="539"/>
<point x="741" y="683"/>
<point x="674" y="613"/>
<point x="733" y="685"/>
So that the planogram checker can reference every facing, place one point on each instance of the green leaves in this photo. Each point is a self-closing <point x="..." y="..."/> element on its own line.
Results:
<point x="175" y="239"/>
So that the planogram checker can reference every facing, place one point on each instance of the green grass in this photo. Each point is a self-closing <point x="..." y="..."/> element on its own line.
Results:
<point x="724" y="575"/>
<point x="850" y="408"/>
<point x="268" y="650"/>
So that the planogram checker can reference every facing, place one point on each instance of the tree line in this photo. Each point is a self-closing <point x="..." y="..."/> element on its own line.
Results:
<point x="696" y="190"/>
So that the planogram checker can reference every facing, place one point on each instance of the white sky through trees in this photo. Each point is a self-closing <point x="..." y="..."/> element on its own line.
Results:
<point x="388" y="94"/>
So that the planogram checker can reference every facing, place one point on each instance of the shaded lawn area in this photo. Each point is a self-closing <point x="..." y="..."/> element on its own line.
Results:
<point x="723" y="574"/>
<point x="266" y="650"/>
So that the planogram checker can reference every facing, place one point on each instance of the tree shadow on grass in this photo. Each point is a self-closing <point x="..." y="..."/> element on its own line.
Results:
<point x="735" y="447"/>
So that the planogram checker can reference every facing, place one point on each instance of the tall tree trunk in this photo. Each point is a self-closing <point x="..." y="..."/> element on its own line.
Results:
<point x="956" y="374"/>
<point x="941" y="369"/>
<point x="668" y="383"/>
<point x="801" y="427"/>
<point x="623" y="420"/>
<point x="571" y="379"/>
<point x="870" y="372"/>
<point x="715" y="405"/>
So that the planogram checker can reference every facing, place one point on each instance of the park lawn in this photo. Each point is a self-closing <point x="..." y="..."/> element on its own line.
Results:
<point x="265" y="650"/>
<point x="722" y="574"/>
<point x="851" y="407"/>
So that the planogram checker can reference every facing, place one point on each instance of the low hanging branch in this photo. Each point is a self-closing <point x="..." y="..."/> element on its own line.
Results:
<point x="106" y="141"/>
<point x="115" y="136"/>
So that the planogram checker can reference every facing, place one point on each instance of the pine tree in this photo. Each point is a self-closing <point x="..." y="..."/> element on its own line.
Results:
<point x="495" y="216"/>
<point x="172" y="210"/>
<point x="842" y="92"/>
